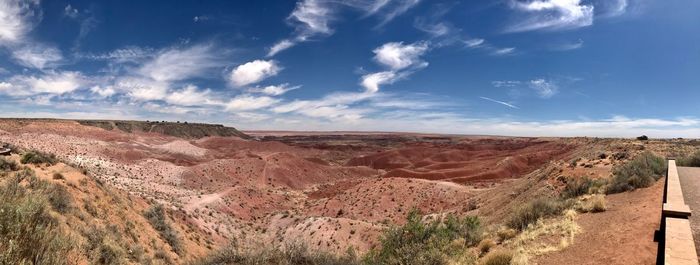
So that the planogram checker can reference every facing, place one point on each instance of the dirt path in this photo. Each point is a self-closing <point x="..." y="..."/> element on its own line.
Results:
<point x="624" y="234"/>
<point x="690" y="183"/>
<point x="200" y="201"/>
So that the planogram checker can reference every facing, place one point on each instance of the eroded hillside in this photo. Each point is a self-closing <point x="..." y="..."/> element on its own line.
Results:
<point x="328" y="192"/>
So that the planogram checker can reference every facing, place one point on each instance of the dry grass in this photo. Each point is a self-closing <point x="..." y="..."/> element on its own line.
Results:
<point x="486" y="245"/>
<point x="499" y="257"/>
<point x="530" y="242"/>
<point x="592" y="204"/>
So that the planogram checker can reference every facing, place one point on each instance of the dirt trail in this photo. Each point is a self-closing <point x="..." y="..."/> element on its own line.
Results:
<point x="624" y="234"/>
<point x="200" y="201"/>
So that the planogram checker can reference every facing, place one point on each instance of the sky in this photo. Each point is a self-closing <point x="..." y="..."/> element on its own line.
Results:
<point x="617" y="68"/>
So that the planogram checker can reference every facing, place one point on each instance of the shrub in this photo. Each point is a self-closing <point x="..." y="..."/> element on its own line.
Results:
<point x="58" y="176"/>
<point x="37" y="157"/>
<point x="288" y="255"/>
<point x="28" y="233"/>
<point x="692" y="160"/>
<point x="534" y="210"/>
<point x="642" y="138"/>
<point x="8" y="165"/>
<point x="640" y="172"/>
<point x="506" y="233"/>
<point x="156" y="216"/>
<point x="486" y="245"/>
<point x="59" y="198"/>
<point x="417" y="242"/>
<point x="577" y="187"/>
<point x="501" y="257"/>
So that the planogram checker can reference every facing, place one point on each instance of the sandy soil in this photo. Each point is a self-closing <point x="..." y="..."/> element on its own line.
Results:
<point x="624" y="234"/>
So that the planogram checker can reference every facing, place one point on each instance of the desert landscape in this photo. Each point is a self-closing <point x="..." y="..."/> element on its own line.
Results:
<point x="216" y="188"/>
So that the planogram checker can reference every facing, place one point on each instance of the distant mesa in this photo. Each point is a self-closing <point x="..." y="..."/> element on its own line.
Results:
<point x="177" y="129"/>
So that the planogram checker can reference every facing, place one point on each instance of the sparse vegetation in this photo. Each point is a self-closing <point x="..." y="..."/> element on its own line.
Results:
<point x="8" y="165"/>
<point x="534" y="210"/>
<point x="37" y="158"/>
<point x="419" y="242"/>
<point x="59" y="198"/>
<point x="592" y="204"/>
<point x="28" y="233"/>
<point x="640" y="172"/>
<point x="577" y="187"/>
<point x="156" y="216"/>
<point x="486" y="245"/>
<point x="292" y="254"/>
<point x="500" y="257"/>
<point x="692" y="160"/>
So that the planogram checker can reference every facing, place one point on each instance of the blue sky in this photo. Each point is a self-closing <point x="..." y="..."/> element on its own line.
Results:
<point x="535" y="68"/>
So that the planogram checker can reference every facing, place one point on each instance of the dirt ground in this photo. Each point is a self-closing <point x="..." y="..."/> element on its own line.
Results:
<point x="624" y="234"/>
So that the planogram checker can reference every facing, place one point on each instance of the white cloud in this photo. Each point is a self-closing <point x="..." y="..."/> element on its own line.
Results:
<point x="505" y="83"/>
<point x="50" y="83"/>
<point x="569" y="46"/>
<point x="175" y="64"/>
<point x="254" y="72"/>
<point x="142" y="89"/>
<point x="544" y="88"/>
<point x="104" y="92"/>
<point x="274" y="90"/>
<point x="435" y="30"/>
<point x="71" y="12"/>
<point x="280" y="46"/>
<point x="371" y="82"/>
<point x="553" y="15"/>
<point x="398" y="56"/>
<point x="37" y="56"/>
<point x="471" y="43"/>
<point x="132" y="54"/>
<point x="500" y="102"/>
<point x="313" y="18"/>
<point x="249" y="102"/>
<point x="613" y="8"/>
<point x="190" y="95"/>
<point x="504" y="51"/>
<point x="17" y="18"/>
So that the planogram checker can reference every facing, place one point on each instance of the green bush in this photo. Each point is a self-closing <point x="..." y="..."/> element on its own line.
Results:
<point x="532" y="211"/>
<point x="8" y="165"/>
<point x="37" y="157"/>
<point x="641" y="172"/>
<point x="692" y="160"/>
<point x="417" y="242"/>
<point x="28" y="233"/>
<point x="156" y="216"/>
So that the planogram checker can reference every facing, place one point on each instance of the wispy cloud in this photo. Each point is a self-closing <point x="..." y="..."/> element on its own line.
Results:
<point x="568" y="46"/>
<point x="500" y="102"/>
<point x="544" y="88"/>
<point x="504" y="51"/>
<point x="313" y="18"/>
<point x="17" y="20"/>
<point x="552" y="15"/>
<point x="400" y="59"/>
